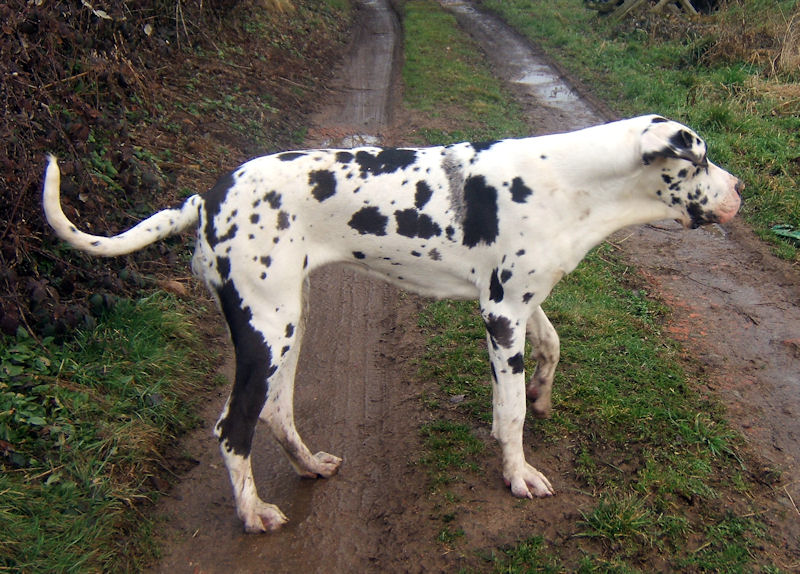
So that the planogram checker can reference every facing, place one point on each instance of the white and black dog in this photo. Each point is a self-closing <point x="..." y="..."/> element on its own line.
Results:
<point x="501" y="222"/>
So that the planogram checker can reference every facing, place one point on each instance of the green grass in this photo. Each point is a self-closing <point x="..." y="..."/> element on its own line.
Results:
<point x="83" y="428"/>
<point x="657" y="456"/>
<point x="748" y="115"/>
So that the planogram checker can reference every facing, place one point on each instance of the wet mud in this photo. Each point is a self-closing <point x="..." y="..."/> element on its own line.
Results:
<point x="735" y="309"/>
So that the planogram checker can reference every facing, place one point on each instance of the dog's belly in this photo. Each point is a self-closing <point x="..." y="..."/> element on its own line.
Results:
<point x="429" y="279"/>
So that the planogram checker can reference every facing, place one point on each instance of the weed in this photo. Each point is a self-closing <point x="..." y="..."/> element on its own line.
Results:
<point x="81" y="426"/>
<point x="450" y="447"/>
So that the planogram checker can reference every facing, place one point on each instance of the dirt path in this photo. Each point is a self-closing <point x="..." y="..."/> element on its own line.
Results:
<point x="736" y="307"/>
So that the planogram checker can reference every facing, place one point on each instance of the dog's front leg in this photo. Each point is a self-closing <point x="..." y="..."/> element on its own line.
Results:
<point x="506" y="341"/>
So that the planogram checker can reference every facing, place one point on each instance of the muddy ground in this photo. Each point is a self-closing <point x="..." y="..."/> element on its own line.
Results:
<point x="735" y="307"/>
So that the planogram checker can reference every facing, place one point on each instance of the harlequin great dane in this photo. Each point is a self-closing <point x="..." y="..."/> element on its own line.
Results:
<point x="502" y="222"/>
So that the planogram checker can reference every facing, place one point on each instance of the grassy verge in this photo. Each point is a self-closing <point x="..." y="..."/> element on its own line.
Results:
<point x="657" y="457"/>
<point x="84" y="426"/>
<point x="710" y="73"/>
<point x="447" y="80"/>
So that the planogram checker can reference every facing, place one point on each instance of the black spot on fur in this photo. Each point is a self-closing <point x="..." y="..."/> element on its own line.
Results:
<point x="434" y="254"/>
<point x="423" y="195"/>
<point x="253" y="369"/>
<point x="505" y="275"/>
<point x="344" y="157"/>
<point x="499" y="329"/>
<point x="359" y="255"/>
<point x="517" y="363"/>
<point x="369" y="220"/>
<point x="254" y="218"/>
<point x="273" y="198"/>
<point x="283" y="220"/>
<point x="519" y="191"/>
<point x="387" y="161"/>
<point x="289" y="330"/>
<point x="411" y="223"/>
<point x="495" y="288"/>
<point x="527" y="297"/>
<point x="290" y="155"/>
<point x="480" y="221"/>
<point x="450" y="232"/>
<point x="324" y="183"/>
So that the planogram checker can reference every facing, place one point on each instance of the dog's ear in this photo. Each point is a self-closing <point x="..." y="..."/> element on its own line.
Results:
<point x="666" y="139"/>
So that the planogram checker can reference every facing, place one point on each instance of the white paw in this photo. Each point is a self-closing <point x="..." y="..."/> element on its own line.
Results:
<point x="326" y="465"/>
<point x="529" y="483"/>
<point x="263" y="517"/>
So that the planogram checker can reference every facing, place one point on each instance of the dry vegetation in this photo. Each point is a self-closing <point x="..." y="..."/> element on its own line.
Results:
<point x="150" y="98"/>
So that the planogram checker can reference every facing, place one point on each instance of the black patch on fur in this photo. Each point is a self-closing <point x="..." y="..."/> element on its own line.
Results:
<point x="253" y="369"/>
<point x="290" y="155"/>
<point x="482" y="146"/>
<point x="527" y="297"/>
<point x="359" y="255"/>
<point x="344" y="157"/>
<point x="499" y="329"/>
<point x="505" y="275"/>
<point x="212" y="202"/>
<point x="324" y="183"/>
<point x="519" y="191"/>
<point x="254" y="218"/>
<point x="517" y="363"/>
<point x="369" y="221"/>
<point x="387" y="161"/>
<point x="480" y="221"/>
<point x="224" y="268"/>
<point x="450" y="232"/>
<point x="289" y="330"/>
<point x="423" y="195"/>
<point x="412" y="223"/>
<point x="496" y="292"/>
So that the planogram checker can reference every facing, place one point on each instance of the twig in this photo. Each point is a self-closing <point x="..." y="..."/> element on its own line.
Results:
<point x="61" y="81"/>
<point x="786" y="490"/>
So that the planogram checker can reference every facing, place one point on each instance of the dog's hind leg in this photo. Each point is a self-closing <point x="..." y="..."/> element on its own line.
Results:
<point x="278" y="413"/>
<point x="259" y="330"/>
<point x="546" y="352"/>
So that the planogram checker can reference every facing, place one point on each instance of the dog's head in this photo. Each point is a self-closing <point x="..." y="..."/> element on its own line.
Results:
<point x="699" y="191"/>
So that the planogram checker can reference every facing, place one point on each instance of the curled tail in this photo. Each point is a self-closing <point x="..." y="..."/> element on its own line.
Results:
<point x="156" y="227"/>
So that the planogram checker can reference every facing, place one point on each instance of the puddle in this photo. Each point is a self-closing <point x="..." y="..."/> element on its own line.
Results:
<point x="516" y="62"/>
